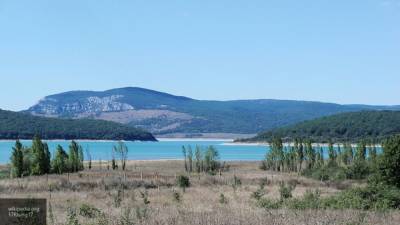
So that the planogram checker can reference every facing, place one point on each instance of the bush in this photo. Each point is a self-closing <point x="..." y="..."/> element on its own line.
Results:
<point x="358" y="170"/>
<point x="372" y="197"/>
<point x="176" y="196"/>
<point x="310" y="200"/>
<point x="88" y="211"/>
<point x="329" y="172"/>
<point x="183" y="182"/>
<point x="222" y="199"/>
<point x="285" y="190"/>
<point x="257" y="195"/>
<point x="236" y="182"/>
<point x="269" y="204"/>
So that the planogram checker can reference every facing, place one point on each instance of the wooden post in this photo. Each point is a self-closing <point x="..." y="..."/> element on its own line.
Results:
<point x="141" y="175"/>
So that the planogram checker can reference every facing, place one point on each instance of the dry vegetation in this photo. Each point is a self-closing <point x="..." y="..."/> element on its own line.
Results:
<point x="147" y="194"/>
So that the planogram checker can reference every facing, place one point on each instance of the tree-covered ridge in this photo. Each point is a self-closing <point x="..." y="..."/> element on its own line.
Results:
<point x="163" y="113"/>
<point x="22" y="126"/>
<point x="353" y="126"/>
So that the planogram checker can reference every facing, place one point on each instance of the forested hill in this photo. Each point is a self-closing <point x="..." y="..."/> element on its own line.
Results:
<point x="15" y="125"/>
<point x="352" y="126"/>
<point x="163" y="113"/>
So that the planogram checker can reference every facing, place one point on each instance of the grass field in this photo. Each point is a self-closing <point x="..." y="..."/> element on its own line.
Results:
<point x="147" y="194"/>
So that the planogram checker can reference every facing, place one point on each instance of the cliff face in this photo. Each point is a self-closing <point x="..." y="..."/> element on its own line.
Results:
<point x="52" y="107"/>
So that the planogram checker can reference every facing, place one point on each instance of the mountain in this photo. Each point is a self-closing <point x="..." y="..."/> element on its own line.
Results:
<point x="14" y="125"/>
<point x="352" y="126"/>
<point x="163" y="113"/>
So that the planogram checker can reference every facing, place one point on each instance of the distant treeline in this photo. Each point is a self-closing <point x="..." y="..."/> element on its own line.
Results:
<point x="15" y="125"/>
<point x="345" y="127"/>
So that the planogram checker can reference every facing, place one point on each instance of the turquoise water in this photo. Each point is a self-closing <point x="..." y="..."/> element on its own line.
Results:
<point x="149" y="150"/>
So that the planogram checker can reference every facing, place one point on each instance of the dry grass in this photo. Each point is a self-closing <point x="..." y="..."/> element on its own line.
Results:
<point x="198" y="205"/>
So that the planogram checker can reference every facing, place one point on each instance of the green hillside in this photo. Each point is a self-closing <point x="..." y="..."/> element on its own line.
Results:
<point x="15" y="125"/>
<point x="163" y="113"/>
<point x="351" y="126"/>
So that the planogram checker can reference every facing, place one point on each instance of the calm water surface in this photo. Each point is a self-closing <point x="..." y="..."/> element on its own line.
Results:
<point x="150" y="150"/>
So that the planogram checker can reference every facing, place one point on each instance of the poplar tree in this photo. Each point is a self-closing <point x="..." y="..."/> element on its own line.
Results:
<point x="60" y="161"/>
<point x="190" y="158"/>
<point x="185" y="157"/>
<point x="332" y="154"/>
<point x="199" y="160"/>
<point x="38" y="166"/>
<point x="73" y="157"/>
<point x="17" y="160"/>
<point x="47" y="159"/>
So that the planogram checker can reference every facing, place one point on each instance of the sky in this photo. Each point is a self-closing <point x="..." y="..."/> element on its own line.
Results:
<point x="332" y="51"/>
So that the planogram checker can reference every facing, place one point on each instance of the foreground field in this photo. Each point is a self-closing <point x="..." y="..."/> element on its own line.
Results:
<point x="147" y="194"/>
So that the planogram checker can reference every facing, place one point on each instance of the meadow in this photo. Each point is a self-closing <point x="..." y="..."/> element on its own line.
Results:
<point x="147" y="192"/>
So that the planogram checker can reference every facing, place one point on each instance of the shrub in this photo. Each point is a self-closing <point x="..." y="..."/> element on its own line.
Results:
<point x="183" y="182"/>
<point x="285" y="190"/>
<point x="126" y="217"/>
<point x="372" y="197"/>
<point x="176" y="196"/>
<point x="222" y="199"/>
<point x="236" y="182"/>
<point x="310" y="200"/>
<point x="358" y="170"/>
<point x="145" y="196"/>
<point x="331" y="172"/>
<point x="269" y="204"/>
<point x="72" y="218"/>
<point x="88" y="211"/>
<point x="117" y="198"/>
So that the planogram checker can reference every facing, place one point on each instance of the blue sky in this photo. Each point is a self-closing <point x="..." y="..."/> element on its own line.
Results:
<point x="334" y="51"/>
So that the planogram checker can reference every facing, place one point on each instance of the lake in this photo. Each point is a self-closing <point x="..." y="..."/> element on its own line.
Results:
<point x="164" y="149"/>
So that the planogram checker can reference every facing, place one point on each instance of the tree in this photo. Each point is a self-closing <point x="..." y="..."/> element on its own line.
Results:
<point x="122" y="150"/>
<point x="47" y="159"/>
<point x="80" y="158"/>
<point x="310" y="153"/>
<point x="388" y="167"/>
<point x="199" y="161"/>
<point x="372" y="153"/>
<point x="59" y="163"/>
<point x="17" y="160"/>
<point x="361" y="151"/>
<point x="185" y="157"/>
<point x="73" y="157"/>
<point x="211" y="160"/>
<point x="89" y="157"/>
<point x="39" y="157"/>
<point x="298" y="145"/>
<point x="331" y="153"/>
<point x="190" y="158"/>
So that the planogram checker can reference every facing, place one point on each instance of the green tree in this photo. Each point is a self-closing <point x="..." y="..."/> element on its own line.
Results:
<point x="38" y="165"/>
<point x="47" y="159"/>
<point x="388" y="168"/>
<point x="59" y="163"/>
<point x="73" y="157"/>
<point x="332" y="154"/>
<point x="211" y="159"/>
<point x="373" y="155"/>
<point x="361" y="151"/>
<point x="17" y="160"/>
<point x="300" y="153"/>
<point x="310" y="153"/>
